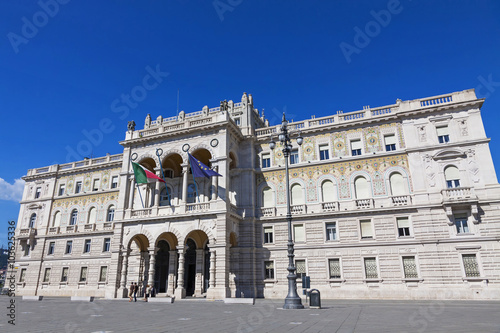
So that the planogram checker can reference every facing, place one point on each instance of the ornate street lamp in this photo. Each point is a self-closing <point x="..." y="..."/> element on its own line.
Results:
<point x="292" y="300"/>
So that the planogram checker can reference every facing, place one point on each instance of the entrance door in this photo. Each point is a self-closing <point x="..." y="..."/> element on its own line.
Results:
<point x="161" y="267"/>
<point x="190" y="267"/>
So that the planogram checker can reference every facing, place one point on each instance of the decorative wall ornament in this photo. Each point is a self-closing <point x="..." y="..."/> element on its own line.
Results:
<point x="422" y="136"/>
<point x="429" y="170"/>
<point x="464" y="130"/>
<point x="472" y="165"/>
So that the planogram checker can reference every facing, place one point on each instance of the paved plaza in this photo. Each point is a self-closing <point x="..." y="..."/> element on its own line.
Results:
<point x="340" y="316"/>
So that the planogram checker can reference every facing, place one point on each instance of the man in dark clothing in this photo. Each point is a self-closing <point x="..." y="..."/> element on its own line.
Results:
<point x="136" y="289"/>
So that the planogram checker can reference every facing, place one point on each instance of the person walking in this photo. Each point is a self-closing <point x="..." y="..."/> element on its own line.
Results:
<point x="147" y="293"/>
<point x="136" y="289"/>
<point x="130" y="292"/>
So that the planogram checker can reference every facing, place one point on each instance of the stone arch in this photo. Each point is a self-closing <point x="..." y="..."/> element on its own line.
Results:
<point x="233" y="157"/>
<point x="148" y="161"/>
<point x="201" y="146"/>
<point x="260" y="192"/>
<point x="169" y="237"/>
<point x="397" y="169"/>
<point x="199" y="236"/>
<point x="173" y="160"/>
<point x="352" y="180"/>
<point x="233" y="239"/>
<point x="143" y="232"/>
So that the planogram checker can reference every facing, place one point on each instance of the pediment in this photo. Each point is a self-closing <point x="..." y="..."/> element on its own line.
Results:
<point x="449" y="154"/>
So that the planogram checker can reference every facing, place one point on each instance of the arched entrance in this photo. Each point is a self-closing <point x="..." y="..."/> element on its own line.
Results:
<point x="196" y="264"/>
<point x="137" y="268"/>
<point x="162" y="266"/>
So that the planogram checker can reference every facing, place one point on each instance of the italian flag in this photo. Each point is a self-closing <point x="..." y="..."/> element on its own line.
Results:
<point x="144" y="176"/>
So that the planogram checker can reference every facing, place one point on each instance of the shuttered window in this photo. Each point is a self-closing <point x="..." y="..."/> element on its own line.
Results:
<point x="298" y="233"/>
<point x="361" y="188"/>
<point x="328" y="191"/>
<point x="297" y="195"/>
<point x="397" y="184"/>
<point x="267" y="197"/>
<point x="366" y="229"/>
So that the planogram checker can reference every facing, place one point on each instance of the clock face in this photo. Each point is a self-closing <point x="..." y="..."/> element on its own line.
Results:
<point x="214" y="142"/>
<point x="186" y="147"/>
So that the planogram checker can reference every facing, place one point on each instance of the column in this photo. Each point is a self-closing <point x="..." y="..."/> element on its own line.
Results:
<point x="152" y="263"/>
<point x="212" y="268"/>
<point x="184" y="183"/>
<point x="131" y="194"/>
<point x="157" y="193"/>
<point x="123" y="281"/>
<point x="215" y="184"/>
<point x="172" y="269"/>
<point x="198" y="287"/>
<point x="234" y="273"/>
<point x="180" y="291"/>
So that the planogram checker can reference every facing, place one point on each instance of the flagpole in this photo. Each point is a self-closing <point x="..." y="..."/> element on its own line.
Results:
<point x="159" y="152"/>
<point x="137" y="184"/>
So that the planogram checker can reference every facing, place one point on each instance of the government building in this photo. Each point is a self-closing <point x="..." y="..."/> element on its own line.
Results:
<point x="392" y="202"/>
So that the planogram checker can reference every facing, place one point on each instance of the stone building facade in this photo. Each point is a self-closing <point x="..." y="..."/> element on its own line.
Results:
<point x="400" y="201"/>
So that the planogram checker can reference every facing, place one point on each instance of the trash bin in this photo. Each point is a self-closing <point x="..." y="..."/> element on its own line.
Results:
<point x="314" y="299"/>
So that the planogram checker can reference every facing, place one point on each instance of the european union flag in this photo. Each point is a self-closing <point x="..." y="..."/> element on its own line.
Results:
<point x="199" y="169"/>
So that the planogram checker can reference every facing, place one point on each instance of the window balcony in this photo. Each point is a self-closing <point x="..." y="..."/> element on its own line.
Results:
<point x="364" y="203"/>
<point x="267" y="211"/>
<point x="71" y="228"/>
<point x="53" y="230"/>
<point x="330" y="206"/>
<point x="88" y="227"/>
<point x="401" y="200"/>
<point x="298" y="209"/>
<point x="458" y="193"/>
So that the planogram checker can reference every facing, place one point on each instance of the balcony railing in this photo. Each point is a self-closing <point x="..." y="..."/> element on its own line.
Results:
<point x="88" y="227"/>
<point x="401" y="200"/>
<point x="298" y="209"/>
<point x="71" y="228"/>
<point x="364" y="203"/>
<point x="458" y="193"/>
<point x="141" y="212"/>
<point x="27" y="232"/>
<point x="53" y="230"/>
<point x="267" y="211"/>
<point x="330" y="206"/>
<point x="197" y="207"/>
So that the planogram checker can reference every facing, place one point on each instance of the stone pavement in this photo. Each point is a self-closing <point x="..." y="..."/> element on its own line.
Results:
<point x="340" y="316"/>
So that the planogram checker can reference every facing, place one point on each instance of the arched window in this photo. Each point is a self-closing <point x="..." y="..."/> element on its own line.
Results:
<point x="328" y="191"/>
<point x="57" y="219"/>
<point x="267" y="197"/>
<point x="92" y="215"/>
<point x="164" y="196"/>
<point x="74" y="217"/>
<point x="452" y="176"/>
<point x="361" y="188"/>
<point x="32" y="220"/>
<point x="297" y="195"/>
<point x="191" y="193"/>
<point x="397" y="184"/>
<point x="111" y="213"/>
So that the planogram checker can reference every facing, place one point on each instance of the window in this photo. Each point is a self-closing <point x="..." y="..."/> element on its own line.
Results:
<point x="96" y="185"/>
<point x="328" y="191"/>
<point x="371" y="268"/>
<point x="390" y="142"/>
<point x="366" y="228"/>
<point x="471" y="267"/>
<point x="22" y="276"/>
<point x="294" y="156"/>
<point x="266" y="160"/>
<point x="64" y="275"/>
<point x="237" y="121"/>
<point x="26" y="248"/>
<point x="103" y="273"/>
<point x="111" y="214"/>
<point x="61" y="189"/>
<point x="92" y="215"/>
<point x="443" y="135"/>
<point x="38" y="192"/>
<point x="86" y="247"/>
<point x="74" y="217"/>
<point x="52" y="246"/>
<point x="297" y="195"/>
<point x="410" y="268"/>
<point x="69" y="247"/>
<point x="334" y="268"/>
<point x="32" y="220"/>
<point x="331" y="231"/>
<point x="191" y="193"/>
<point x="461" y="223"/>
<point x="356" y="147"/>
<point x="267" y="197"/>
<point x="268" y="235"/>
<point x="361" y="188"/>
<point x="269" y="269"/>
<point x="397" y="183"/>
<point x="452" y="176"/>
<point x="323" y="152"/>
<point x="298" y="233"/>
<point x="57" y="219"/>
<point x="403" y="226"/>
<point x="164" y="197"/>
<point x="300" y="265"/>
<point x="114" y="181"/>
<point x="78" y="187"/>
<point x="107" y="244"/>
<point x="83" y="274"/>
<point x="46" y="275"/>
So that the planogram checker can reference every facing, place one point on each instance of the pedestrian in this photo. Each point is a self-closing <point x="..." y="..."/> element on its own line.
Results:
<point x="136" y="289"/>
<point x="131" y="292"/>
<point x="147" y="293"/>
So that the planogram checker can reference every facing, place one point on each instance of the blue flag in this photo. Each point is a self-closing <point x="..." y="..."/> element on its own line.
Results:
<point x="199" y="169"/>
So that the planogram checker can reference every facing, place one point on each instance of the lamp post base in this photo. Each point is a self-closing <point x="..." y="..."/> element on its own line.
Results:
<point x="293" y="303"/>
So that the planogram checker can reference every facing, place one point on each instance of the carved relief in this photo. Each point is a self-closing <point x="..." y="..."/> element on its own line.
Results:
<point x="429" y="171"/>
<point x="422" y="133"/>
<point x="464" y="130"/>
<point x="472" y="165"/>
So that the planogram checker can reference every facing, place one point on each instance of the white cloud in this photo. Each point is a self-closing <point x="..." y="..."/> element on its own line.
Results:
<point x="12" y="192"/>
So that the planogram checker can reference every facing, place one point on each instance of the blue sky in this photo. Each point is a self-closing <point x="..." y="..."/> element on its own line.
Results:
<point x="67" y="66"/>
